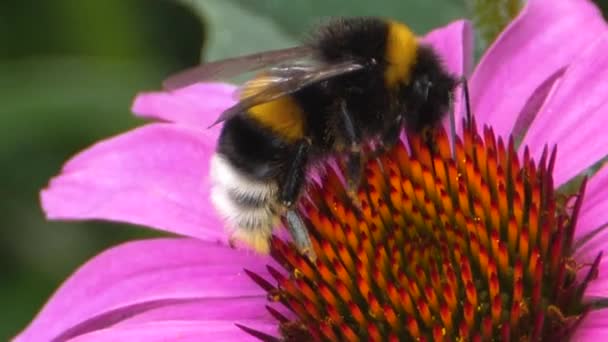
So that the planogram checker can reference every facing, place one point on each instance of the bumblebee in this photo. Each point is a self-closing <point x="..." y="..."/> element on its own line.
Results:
<point x="355" y="80"/>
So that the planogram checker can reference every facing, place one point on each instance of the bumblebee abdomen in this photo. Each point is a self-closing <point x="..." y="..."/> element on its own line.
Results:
<point x="247" y="204"/>
<point x="245" y="172"/>
<point x="253" y="148"/>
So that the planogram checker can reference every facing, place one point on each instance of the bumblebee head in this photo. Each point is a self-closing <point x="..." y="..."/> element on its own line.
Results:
<point x="428" y="95"/>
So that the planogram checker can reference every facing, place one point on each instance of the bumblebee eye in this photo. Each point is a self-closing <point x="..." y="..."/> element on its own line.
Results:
<point x="422" y="87"/>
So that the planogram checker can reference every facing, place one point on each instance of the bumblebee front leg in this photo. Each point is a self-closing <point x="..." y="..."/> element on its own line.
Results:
<point x="390" y="136"/>
<point x="290" y="189"/>
<point x="354" y="162"/>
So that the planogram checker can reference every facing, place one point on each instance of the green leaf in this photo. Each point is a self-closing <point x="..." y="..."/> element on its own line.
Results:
<point x="492" y="16"/>
<point x="234" y="31"/>
<point x="297" y="15"/>
<point x="69" y="95"/>
<point x="603" y="5"/>
<point x="51" y="108"/>
<point x="245" y="26"/>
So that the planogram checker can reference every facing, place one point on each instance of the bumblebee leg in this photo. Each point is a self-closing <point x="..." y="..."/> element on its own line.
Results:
<point x="390" y="136"/>
<point x="465" y="94"/>
<point x="354" y="162"/>
<point x="290" y="189"/>
<point x="292" y="183"/>
<point x="299" y="234"/>
<point x="354" y="169"/>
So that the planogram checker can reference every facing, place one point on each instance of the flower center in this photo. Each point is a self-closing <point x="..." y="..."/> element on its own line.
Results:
<point x="474" y="245"/>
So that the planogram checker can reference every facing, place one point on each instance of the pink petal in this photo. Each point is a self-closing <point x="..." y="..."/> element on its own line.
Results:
<point x="454" y="43"/>
<point x="182" y="331"/>
<point x="541" y="40"/>
<point x="574" y="117"/>
<point x="534" y="104"/>
<point x="237" y="309"/>
<point x="599" y="286"/>
<point x="197" y="105"/>
<point x="154" y="176"/>
<point x="593" y="328"/>
<point x="140" y="276"/>
<point x="593" y="215"/>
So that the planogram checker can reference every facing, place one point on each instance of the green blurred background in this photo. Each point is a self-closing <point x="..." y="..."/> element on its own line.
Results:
<point x="69" y="70"/>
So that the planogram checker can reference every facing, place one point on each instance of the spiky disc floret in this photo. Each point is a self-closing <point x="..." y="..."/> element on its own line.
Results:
<point x="470" y="245"/>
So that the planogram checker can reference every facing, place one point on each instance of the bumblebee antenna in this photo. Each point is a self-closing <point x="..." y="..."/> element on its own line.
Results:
<point x="452" y="124"/>
<point x="467" y="100"/>
<point x="468" y="119"/>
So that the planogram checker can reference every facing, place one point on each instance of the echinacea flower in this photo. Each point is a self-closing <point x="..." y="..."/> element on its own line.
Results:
<point x="468" y="245"/>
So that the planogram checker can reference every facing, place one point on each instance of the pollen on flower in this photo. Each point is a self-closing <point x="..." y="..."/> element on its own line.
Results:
<point x="469" y="243"/>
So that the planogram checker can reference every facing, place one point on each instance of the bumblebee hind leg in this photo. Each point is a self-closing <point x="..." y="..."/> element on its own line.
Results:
<point x="299" y="233"/>
<point x="290" y="190"/>
<point x="294" y="176"/>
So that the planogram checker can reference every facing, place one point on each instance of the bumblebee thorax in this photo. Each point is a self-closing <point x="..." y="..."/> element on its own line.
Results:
<point x="400" y="54"/>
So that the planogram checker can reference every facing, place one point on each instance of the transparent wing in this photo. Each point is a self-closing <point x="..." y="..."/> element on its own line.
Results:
<point x="232" y="67"/>
<point x="283" y="80"/>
